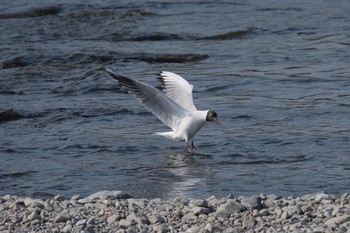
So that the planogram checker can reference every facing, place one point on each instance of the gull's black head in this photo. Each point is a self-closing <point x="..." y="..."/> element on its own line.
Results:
<point x="213" y="117"/>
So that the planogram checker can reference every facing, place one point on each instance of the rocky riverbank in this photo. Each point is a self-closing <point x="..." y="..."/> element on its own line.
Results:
<point x="115" y="211"/>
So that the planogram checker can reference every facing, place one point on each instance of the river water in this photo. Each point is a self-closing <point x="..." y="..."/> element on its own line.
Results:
<point x="276" y="72"/>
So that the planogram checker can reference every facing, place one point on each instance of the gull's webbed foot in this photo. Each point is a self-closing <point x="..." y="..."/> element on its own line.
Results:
<point x="190" y="149"/>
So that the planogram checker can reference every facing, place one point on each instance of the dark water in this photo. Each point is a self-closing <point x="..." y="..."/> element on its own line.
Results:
<point x="276" y="72"/>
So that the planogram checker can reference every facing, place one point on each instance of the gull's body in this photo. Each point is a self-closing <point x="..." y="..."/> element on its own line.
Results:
<point x="173" y="106"/>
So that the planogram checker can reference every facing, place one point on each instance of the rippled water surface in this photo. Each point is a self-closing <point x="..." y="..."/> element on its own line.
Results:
<point x="276" y="72"/>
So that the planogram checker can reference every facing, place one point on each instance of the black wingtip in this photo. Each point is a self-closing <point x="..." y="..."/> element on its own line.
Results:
<point x="161" y="80"/>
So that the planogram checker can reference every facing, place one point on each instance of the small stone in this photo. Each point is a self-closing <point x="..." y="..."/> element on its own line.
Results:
<point x="230" y="207"/>
<point x="111" y="219"/>
<point x="17" y="206"/>
<point x="322" y="196"/>
<point x="297" y="210"/>
<point x="63" y="217"/>
<point x="136" y="218"/>
<point x="29" y="202"/>
<point x="156" y="219"/>
<point x="208" y="228"/>
<point x="253" y="202"/>
<point x="15" y="218"/>
<point x="91" y="221"/>
<point x="318" y="230"/>
<point x="34" y="216"/>
<point x="189" y="216"/>
<point x="35" y="222"/>
<point x="6" y="197"/>
<point x="81" y="222"/>
<point x="123" y="223"/>
<point x="285" y="215"/>
<point x="75" y="197"/>
<point x="59" y="197"/>
<point x="105" y="195"/>
<point x="263" y="212"/>
<point x="67" y="228"/>
<point x="200" y="210"/>
<point x="198" y="202"/>
<point x="338" y="220"/>
<point x="194" y="229"/>
<point x="159" y="228"/>
<point x="306" y="208"/>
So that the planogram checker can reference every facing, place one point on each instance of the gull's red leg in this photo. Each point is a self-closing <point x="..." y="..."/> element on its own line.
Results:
<point x="193" y="146"/>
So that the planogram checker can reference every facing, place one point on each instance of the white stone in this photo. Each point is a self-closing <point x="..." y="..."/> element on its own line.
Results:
<point x="111" y="219"/>
<point x="81" y="222"/>
<point x="253" y="202"/>
<point x="200" y="210"/>
<point x="123" y="223"/>
<point x="322" y="196"/>
<point x="338" y="220"/>
<point x="156" y="218"/>
<point x="198" y="202"/>
<point x="63" y="216"/>
<point x="34" y="216"/>
<point x="105" y="195"/>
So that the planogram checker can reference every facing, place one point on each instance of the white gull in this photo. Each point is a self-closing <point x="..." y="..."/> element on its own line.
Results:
<point x="173" y="106"/>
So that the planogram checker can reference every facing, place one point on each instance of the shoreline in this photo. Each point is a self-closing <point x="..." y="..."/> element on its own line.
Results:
<point x="116" y="211"/>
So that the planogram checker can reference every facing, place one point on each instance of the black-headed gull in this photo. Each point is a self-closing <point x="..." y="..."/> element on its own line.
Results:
<point x="173" y="106"/>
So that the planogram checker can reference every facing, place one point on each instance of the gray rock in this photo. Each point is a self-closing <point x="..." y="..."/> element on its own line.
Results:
<point x="200" y="210"/>
<point x="63" y="217"/>
<point x="33" y="216"/>
<point x="194" y="229"/>
<point x="156" y="218"/>
<point x="35" y="222"/>
<point x="59" y="197"/>
<point x="133" y="217"/>
<point x="111" y="219"/>
<point x="90" y="229"/>
<point x="18" y="205"/>
<point x="297" y="210"/>
<point x="228" y="208"/>
<point x="189" y="216"/>
<point x="124" y="224"/>
<point x="253" y="202"/>
<point x="319" y="230"/>
<point x="198" y="202"/>
<point x="67" y="228"/>
<point x="15" y="218"/>
<point x="105" y="195"/>
<point x="75" y="197"/>
<point x="306" y="208"/>
<point x="322" y="196"/>
<point x="29" y="202"/>
<point x="159" y="228"/>
<point x="338" y="220"/>
<point x="208" y="228"/>
<point x="137" y="202"/>
<point x="81" y="222"/>
<point x="91" y="221"/>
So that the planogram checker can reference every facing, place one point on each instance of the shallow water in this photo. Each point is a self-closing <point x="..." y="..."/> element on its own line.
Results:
<point x="277" y="74"/>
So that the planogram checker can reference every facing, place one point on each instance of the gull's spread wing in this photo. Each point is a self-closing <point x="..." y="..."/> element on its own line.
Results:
<point x="177" y="89"/>
<point x="154" y="100"/>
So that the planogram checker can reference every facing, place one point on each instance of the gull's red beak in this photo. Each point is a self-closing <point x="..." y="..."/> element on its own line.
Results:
<point x="216" y="120"/>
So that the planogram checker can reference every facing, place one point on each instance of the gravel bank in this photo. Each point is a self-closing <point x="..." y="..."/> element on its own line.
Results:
<point x="115" y="211"/>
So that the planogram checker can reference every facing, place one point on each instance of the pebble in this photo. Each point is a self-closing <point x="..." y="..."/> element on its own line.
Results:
<point x="112" y="219"/>
<point x="200" y="210"/>
<point x="116" y="211"/>
<point x="338" y="220"/>
<point x="63" y="217"/>
<point x="253" y="202"/>
<point x="34" y="216"/>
